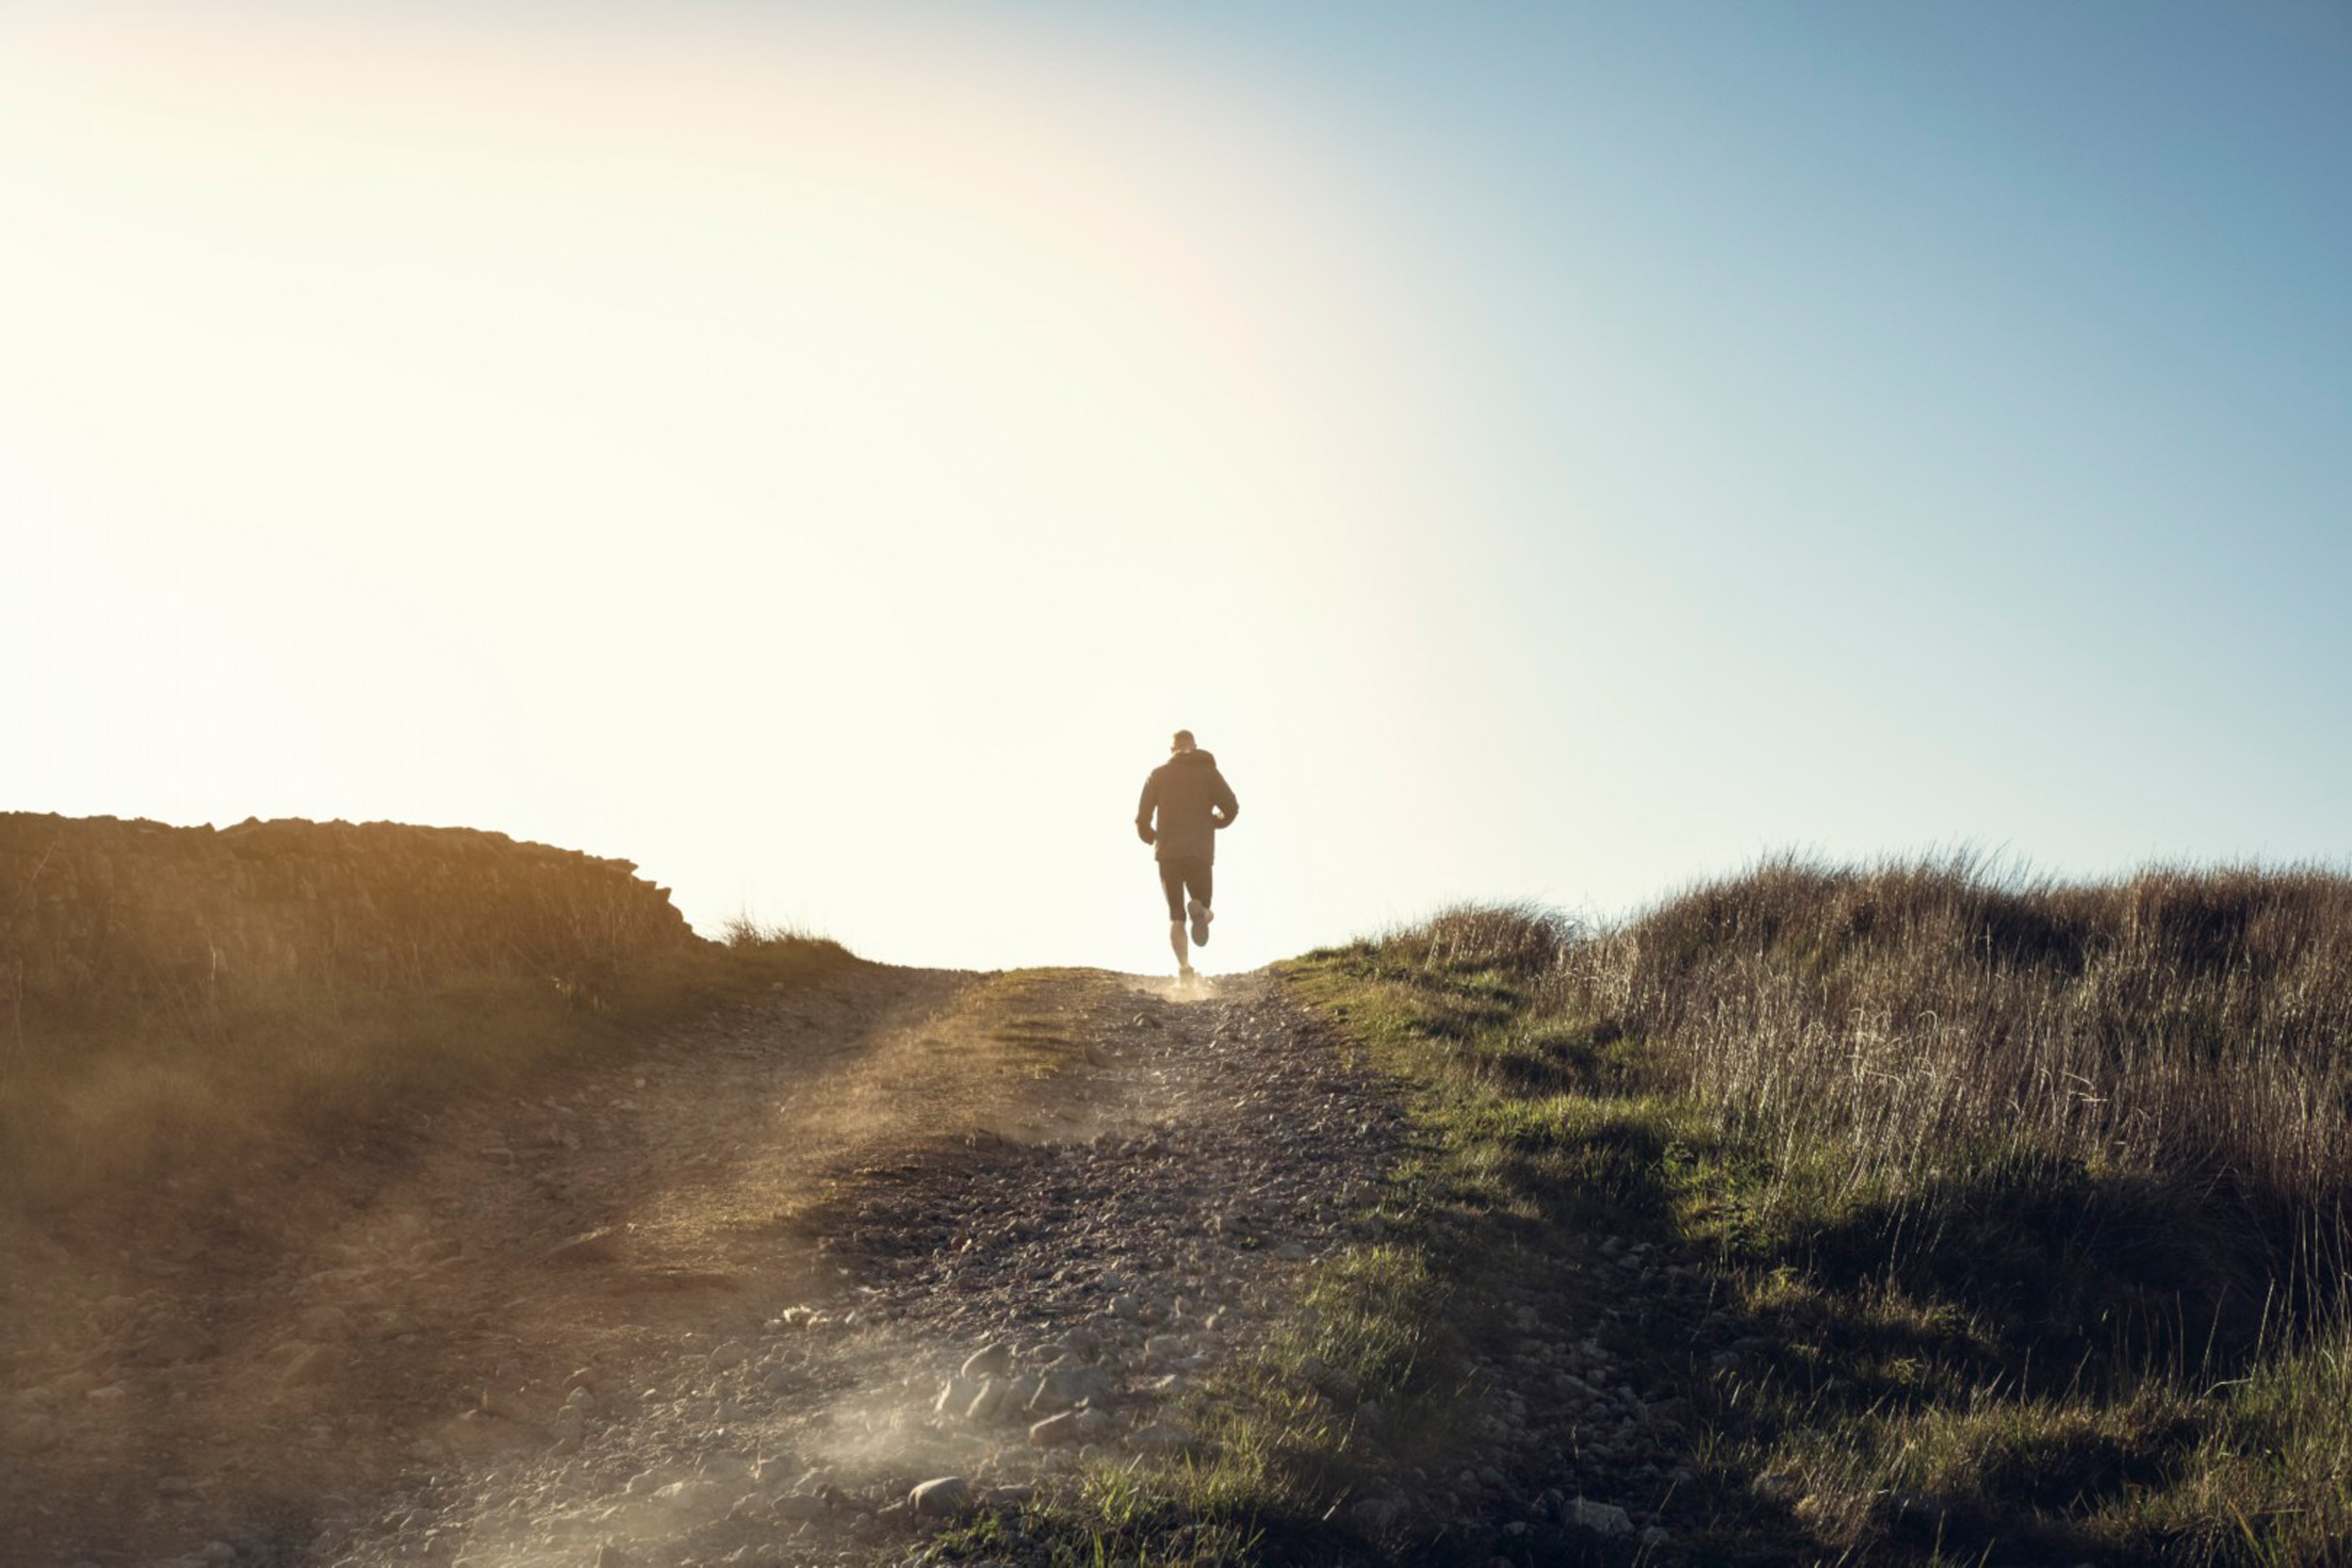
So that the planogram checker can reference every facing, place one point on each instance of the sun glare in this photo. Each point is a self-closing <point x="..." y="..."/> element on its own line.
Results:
<point x="542" y="424"/>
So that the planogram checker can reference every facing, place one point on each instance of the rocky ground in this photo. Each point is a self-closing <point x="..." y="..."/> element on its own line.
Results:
<point x="747" y="1291"/>
<point x="791" y="1288"/>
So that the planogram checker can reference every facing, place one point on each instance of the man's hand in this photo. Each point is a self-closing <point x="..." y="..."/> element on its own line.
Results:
<point x="1143" y="831"/>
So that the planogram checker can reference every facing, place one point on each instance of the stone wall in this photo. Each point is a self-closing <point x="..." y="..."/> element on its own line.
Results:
<point x="97" y="907"/>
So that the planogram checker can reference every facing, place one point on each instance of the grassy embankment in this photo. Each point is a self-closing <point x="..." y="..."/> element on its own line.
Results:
<point x="102" y="1091"/>
<point x="2023" y="1205"/>
<point x="2029" y="1198"/>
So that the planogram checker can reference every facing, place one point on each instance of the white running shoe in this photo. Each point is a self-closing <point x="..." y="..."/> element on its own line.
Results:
<point x="1201" y="915"/>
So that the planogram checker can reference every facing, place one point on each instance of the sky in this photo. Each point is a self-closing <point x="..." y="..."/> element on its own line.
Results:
<point x="818" y="453"/>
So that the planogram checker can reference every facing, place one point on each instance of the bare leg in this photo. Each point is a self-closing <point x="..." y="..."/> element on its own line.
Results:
<point x="1182" y="950"/>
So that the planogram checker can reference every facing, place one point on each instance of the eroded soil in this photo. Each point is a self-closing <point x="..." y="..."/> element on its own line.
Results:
<point x="727" y="1300"/>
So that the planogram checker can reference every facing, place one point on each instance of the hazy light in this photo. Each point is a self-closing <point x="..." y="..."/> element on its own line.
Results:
<point x="820" y="464"/>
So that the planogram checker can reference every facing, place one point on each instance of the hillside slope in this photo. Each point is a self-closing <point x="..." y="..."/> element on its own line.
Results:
<point x="1821" y="1214"/>
<point x="702" y="1297"/>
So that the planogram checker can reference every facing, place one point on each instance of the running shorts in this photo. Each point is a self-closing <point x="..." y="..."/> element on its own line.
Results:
<point x="1187" y="871"/>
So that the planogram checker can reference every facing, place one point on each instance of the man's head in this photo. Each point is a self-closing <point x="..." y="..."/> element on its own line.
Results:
<point x="1181" y="744"/>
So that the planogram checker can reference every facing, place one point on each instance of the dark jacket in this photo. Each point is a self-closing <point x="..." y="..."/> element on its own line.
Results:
<point x="1193" y="800"/>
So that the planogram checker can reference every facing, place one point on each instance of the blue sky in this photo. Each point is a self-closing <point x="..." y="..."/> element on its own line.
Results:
<point x="1909" y="424"/>
<point x="819" y="452"/>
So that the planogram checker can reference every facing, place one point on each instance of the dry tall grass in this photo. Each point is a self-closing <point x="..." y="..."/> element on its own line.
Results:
<point x="2122" y="1100"/>
<point x="2033" y="1195"/>
<point x="2185" y="1025"/>
<point x="1925" y="1016"/>
<point x="171" y="997"/>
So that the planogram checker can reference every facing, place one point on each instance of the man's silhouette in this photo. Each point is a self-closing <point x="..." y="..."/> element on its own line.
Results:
<point x="1192" y="801"/>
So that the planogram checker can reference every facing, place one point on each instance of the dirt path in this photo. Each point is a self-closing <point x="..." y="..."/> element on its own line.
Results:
<point x="714" y="1303"/>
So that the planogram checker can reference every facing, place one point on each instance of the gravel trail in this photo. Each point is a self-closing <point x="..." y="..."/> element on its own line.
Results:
<point x="733" y="1300"/>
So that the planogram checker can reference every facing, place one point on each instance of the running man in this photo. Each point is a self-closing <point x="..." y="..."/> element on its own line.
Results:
<point x="1192" y="801"/>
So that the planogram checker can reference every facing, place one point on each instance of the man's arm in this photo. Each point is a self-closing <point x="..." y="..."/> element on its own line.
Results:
<point x="1145" y="807"/>
<point x="1226" y="806"/>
